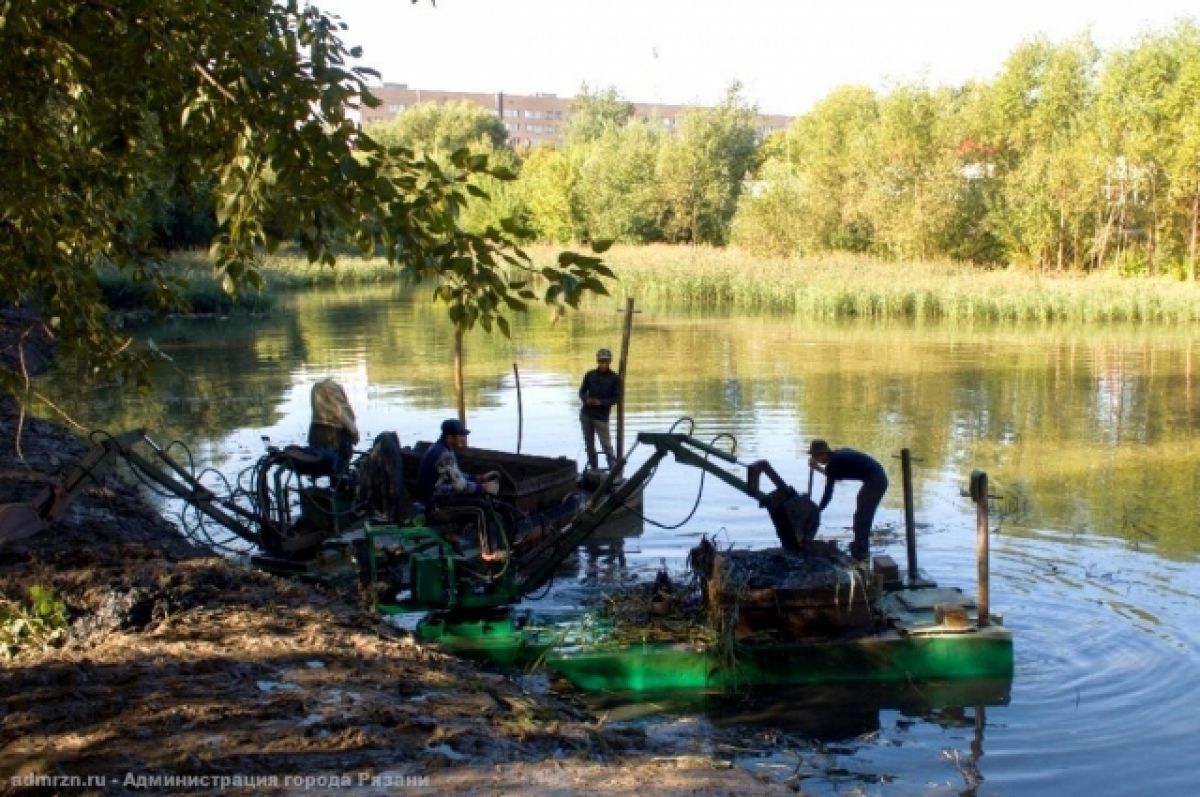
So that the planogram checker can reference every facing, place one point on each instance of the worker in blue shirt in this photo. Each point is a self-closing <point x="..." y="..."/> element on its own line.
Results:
<point x="846" y="464"/>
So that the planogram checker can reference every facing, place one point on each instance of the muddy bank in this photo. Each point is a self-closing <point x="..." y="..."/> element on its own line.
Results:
<point x="178" y="663"/>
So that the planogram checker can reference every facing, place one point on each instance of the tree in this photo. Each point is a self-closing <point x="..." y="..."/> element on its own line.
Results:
<point x="832" y="150"/>
<point x="547" y="184"/>
<point x="101" y="101"/>
<point x="616" y="192"/>
<point x="594" y="114"/>
<point x="770" y="216"/>
<point x="1042" y="117"/>
<point x="439" y="130"/>
<point x="1180" y="104"/>
<point x="700" y="171"/>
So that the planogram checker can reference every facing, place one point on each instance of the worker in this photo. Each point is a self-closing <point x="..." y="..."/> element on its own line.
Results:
<point x="601" y="389"/>
<point x="846" y="464"/>
<point x="441" y="483"/>
<point x="333" y="431"/>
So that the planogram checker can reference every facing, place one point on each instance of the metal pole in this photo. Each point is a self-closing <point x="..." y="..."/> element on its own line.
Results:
<point x="979" y="492"/>
<point x="910" y="526"/>
<point x="520" y="409"/>
<point x="626" y="330"/>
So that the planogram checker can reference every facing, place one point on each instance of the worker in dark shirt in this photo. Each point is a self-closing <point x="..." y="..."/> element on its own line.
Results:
<point x="601" y="389"/>
<point x="441" y="484"/>
<point x="846" y="464"/>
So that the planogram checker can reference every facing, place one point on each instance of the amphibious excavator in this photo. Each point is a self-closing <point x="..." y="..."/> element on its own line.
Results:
<point x="293" y="514"/>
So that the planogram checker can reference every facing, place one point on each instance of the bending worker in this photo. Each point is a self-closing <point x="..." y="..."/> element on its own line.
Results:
<point x="601" y="389"/>
<point x="846" y="464"/>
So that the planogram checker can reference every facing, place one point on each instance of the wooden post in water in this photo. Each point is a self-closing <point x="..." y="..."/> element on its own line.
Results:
<point x="979" y="492"/>
<point x="458" y="375"/>
<point x="520" y="410"/>
<point x="626" y="330"/>
<point x="910" y="526"/>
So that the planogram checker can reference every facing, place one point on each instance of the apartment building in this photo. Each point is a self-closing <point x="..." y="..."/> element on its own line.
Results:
<point x="532" y="119"/>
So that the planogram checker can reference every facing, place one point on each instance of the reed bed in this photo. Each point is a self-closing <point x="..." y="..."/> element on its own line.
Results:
<point x="854" y="286"/>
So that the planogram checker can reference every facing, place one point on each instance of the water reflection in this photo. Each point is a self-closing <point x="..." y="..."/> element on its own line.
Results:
<point x="604" y="551"/>
<point x="826" y="713"/>
<point x="814" y="738"/>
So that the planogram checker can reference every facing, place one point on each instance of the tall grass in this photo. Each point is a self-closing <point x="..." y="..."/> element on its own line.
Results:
<point x="828" y="287"/>
<point x="204" y="294"/>
<point x="843" y="286"/>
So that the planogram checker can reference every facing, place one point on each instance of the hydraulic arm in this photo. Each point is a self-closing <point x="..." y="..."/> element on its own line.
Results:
<point x="795" y="517"/>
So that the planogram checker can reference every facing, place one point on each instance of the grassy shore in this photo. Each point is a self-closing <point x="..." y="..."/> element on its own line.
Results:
<point x="844" y="286"/>
<point x="833" y="286"/>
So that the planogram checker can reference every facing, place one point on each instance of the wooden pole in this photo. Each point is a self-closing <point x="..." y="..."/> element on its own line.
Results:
<point x="626" y="331"/>
<point x="458" y="376"/>
<point x="979" y="492"/>
<point x="520" y="410"/>
<point x="910" y="525"/>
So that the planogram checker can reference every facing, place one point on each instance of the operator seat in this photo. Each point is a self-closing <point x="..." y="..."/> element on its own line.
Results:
<point x="307" y="461"/>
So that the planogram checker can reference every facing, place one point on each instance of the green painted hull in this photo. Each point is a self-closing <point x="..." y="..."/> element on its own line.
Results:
<point x="890" y="656"/>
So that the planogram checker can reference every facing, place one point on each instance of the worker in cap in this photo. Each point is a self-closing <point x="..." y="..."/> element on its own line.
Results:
<point x="441" y="483"/>
<point x="601" y="389"/>
<point x="846" y="464"/>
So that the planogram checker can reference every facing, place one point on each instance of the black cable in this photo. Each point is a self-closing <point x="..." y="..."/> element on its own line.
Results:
<point x="700" y="488"/>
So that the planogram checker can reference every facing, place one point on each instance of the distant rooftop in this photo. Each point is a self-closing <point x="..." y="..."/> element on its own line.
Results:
<point x="532" y="119"/>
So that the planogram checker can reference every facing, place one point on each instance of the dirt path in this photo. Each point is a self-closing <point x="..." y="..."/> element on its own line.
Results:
<point x="182" y="666"/>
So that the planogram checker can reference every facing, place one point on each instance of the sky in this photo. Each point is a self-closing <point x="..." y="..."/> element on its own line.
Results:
<point x="787" y="54"/>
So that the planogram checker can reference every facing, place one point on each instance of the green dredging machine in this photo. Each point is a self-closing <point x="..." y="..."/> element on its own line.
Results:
<point x="801" y="614"/>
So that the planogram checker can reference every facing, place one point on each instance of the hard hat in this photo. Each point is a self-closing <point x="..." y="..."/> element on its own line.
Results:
<point x="604" y="354"/>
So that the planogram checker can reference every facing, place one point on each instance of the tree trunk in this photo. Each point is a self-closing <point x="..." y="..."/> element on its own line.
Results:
<point x="1102" y="244"/>
<point x="458" y="375"/>
<point x="1192" y="242"/>
<point x="1061" y="234"/>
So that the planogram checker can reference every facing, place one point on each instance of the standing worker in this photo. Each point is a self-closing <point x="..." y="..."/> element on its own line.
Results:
<point x="601" y="389"/>
<point x="846" y="464"/>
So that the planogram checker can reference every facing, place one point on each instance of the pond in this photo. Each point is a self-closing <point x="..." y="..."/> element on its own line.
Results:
<point x="1088" y="437"/>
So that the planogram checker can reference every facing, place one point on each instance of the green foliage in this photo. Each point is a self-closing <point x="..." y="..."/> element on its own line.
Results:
<point x="593" y="115"/>
<point x="439" y="130"/>
<point x="39" y="625"/>
<point x="616" y="193"/>
<point x="102" y="105"/>
<point x="768" y="219"/>
<point x="547" y="188"/>
<point x="831" y="153"/>
<point x="701" y="169"/>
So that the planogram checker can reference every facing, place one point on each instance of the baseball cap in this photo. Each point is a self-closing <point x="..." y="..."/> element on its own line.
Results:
<point x="454" y="426"/>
